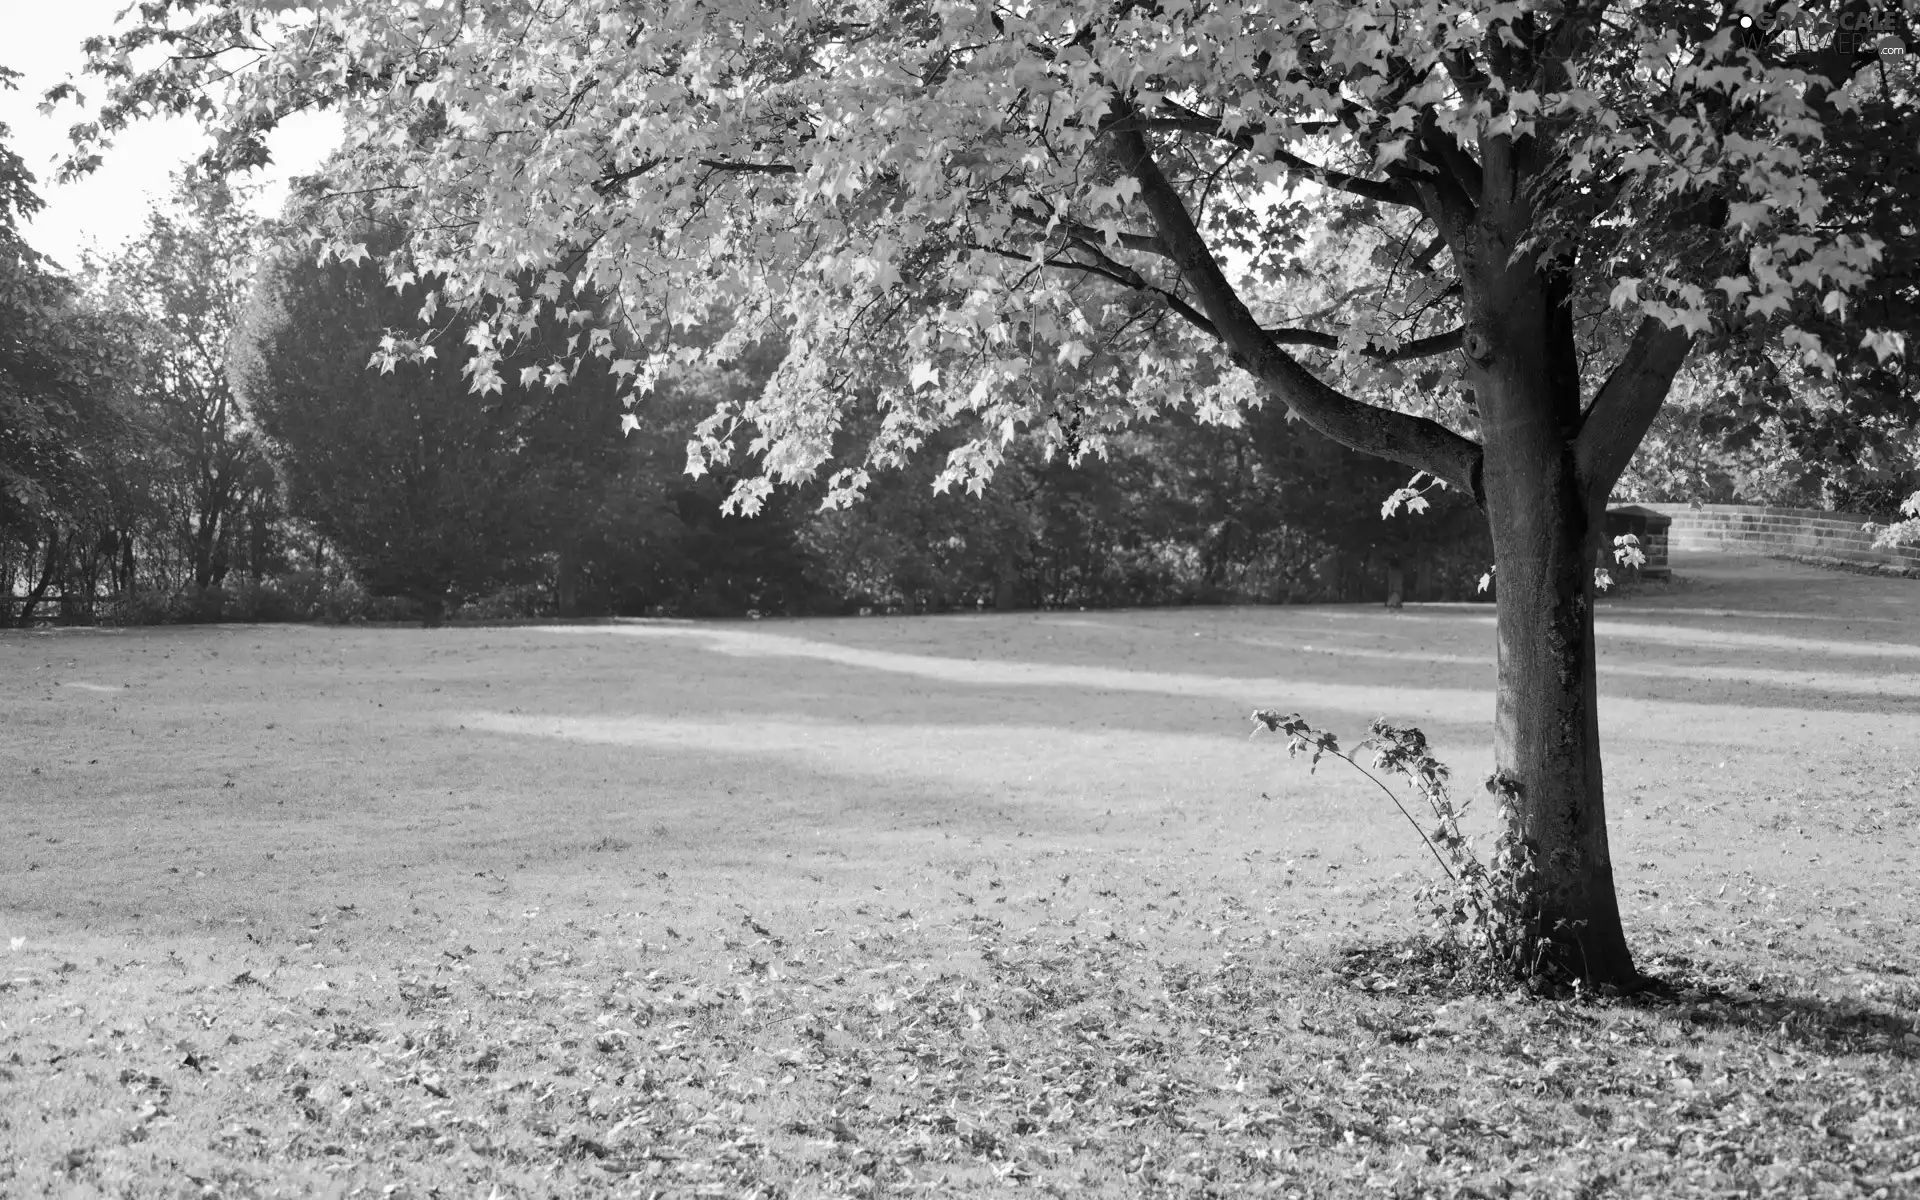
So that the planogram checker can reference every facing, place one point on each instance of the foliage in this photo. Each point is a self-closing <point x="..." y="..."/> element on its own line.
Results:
<point x="1178" y="511"/>
<point x="987" y="166"/>
<point x="64" y="366"/>
<point x="1900" y="533"/>
<point x="1692" y="452"/>
<point x="180" y="288"/>
<point x="1886" y="500"/>
<point x="446" y="501"/>
<point x="131" y="474"/>
<point x="303" y="594"/>
<point x="1851" y="424"/>
<point x="427" y="495"/>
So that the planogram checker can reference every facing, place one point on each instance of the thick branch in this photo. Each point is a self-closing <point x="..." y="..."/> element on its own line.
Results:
<point x="1121" y="274"/>
<point x="1426" y="347"/>
<point x="1415" y="441"/>
<point x="1624" y="407"/>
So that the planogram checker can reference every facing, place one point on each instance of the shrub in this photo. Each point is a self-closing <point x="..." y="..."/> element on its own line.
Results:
<point x="258" y="601"/>
<point x="1900" y="534"/>
<point x="138" y="608"/>
<point x="303" y="595"/>
<point x="1481" y="905"/>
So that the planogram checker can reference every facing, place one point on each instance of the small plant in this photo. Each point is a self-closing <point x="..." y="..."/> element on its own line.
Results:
<point x="1900" y="534"/>
<point x="1480" y="905"/>
<point x="1627" y="552"/>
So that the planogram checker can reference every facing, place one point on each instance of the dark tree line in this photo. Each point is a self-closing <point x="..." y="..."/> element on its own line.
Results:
<point x="128" y="475"/>
<point x="190" y="430"/>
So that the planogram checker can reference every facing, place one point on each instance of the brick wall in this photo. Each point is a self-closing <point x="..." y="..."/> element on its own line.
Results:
<point x="1795" y="532"/>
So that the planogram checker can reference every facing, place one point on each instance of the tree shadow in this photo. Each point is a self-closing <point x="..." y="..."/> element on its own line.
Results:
<point x="1703" y="996"/>
<point x="1830" y="1025"/>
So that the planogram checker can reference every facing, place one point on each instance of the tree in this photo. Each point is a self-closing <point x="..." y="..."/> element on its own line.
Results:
<point x="945" y="200"/>
<point x="182" y="285"/>
<point x="423" y="489"/>
<point x="435" y="496"/>
<point x="1176" y="512"/>
<point x="1848" y="427"/>
<point x="63" y="420"/>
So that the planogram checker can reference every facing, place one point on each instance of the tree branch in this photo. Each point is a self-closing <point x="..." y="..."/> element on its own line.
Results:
<point x="1145" y="243"/>
<point x="1119" y="273"/>
<point x="611" y="179"/>
<point x="1426" y="347"/>
<point x="1383" y="191"/>
<point x="1624" y="407"/>
<point x="1415" y="441"/>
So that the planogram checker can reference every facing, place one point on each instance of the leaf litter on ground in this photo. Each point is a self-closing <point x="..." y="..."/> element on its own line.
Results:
<point x="1127" y="1053"/>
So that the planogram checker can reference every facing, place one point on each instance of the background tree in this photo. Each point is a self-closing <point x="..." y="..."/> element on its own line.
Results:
<point x="440" y="498"/>
<point x="182" y="285"/>
<point x="937" y="198"/>
<point x="420" y="488"/>
<point x="63" y="415"/>
<point x="1177" y="512"/>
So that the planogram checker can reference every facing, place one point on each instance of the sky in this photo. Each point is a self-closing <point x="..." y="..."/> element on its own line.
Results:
<point x="42" y="41"/>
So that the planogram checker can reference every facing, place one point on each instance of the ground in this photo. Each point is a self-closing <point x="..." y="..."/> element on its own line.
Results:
<point x="961" y="905"/>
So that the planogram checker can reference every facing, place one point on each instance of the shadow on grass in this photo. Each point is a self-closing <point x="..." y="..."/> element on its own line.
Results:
<point x="1698" y="994"/>
<point x="1704" y="996"/>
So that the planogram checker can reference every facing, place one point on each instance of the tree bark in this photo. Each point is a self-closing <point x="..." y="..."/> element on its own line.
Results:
<point x="1546" y="723"/>
<point x="129" y="576"/>
<point x="1544" y="523"/>
<point x="32" y="599"/>
<point x="203" y="538"/>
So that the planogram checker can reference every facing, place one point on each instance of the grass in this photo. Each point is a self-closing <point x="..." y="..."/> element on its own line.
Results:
<point x="968" y="905"/>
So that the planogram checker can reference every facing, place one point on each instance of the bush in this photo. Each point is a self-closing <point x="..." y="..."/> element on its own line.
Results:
<point x="303" y="595"/>
<point x="257" y="601"/>
<point x="313" y="595"/>
<point x="139" y="608"/>
<point x="1881" y="502"/>
<point x="1900" y="535"/>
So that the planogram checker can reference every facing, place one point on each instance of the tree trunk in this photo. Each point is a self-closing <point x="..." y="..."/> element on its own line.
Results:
<point x="1546" y="724"/>
<point x="1006" y="583"/>
<point x="1547" y="731"/>
<point x="129" y="575"/>
<point x="33" y="598"/>
<point x="566" y="581"/>
<point x="203" y="537"/>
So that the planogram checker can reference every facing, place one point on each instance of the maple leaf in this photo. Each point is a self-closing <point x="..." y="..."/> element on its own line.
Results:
<point x="1885" y="344"/>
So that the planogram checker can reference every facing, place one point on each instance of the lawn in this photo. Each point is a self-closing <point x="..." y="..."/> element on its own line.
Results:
<point x="972" y="905"/>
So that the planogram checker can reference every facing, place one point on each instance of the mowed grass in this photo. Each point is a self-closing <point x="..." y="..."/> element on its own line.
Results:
<point x="972" y="905"/>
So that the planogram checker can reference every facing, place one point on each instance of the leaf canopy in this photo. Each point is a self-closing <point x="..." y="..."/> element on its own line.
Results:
<point x="1055" y="217"/>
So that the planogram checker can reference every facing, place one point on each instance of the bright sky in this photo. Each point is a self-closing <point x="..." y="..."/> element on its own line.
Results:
<point x="42" y="42"/>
